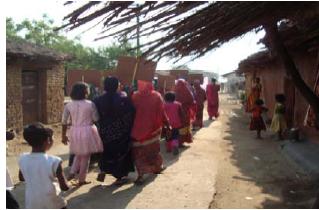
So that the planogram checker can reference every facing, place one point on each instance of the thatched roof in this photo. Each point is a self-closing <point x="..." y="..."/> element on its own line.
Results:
<point x="188" y="27"/>
<point x="22" y="49"/>
<point x="297" y="38"/>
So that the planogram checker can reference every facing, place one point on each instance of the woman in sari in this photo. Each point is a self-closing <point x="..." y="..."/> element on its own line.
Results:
<point x="116" y="113"/>
<point x="146" y="131"/>
<point x="200" y="97"/>
<point x="212" y="99"/>
<point x="186" y="98"/>
<point x="254" y="95"/>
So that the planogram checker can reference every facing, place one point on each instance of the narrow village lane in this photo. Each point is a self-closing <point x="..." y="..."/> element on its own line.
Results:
<point x="224" y="158"/>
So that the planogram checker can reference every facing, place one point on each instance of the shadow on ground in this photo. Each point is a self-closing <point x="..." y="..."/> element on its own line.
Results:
<point x="260" y="162"/>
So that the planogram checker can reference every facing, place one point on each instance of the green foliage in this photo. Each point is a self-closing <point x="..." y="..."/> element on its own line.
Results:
<point x="42" y="32"/>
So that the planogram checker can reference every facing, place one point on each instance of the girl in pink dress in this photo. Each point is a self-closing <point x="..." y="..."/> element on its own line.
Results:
<point x="83" y="137"/>
<point x="175" y="114"/>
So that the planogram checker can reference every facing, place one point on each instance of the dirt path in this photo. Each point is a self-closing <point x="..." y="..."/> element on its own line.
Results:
<point x="225" y="159"/>
<point x="188" y="182"/>
<point x="254" y="173"/>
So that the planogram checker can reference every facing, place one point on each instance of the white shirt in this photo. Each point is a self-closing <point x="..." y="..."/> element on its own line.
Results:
<point x="9" y="181"/>
<point x="42" y="189"/>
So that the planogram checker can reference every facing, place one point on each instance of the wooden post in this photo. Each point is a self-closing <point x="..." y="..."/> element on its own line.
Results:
<point x="135" y="69"/>
<point x="291" y="70"/>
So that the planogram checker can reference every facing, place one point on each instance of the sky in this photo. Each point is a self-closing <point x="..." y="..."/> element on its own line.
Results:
<point x="222" y="60"/>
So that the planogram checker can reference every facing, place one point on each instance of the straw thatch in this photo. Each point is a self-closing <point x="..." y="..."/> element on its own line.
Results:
<point x="22" y="49"/>
<point x="190" y="28"/>
<point x="297" y="37"/>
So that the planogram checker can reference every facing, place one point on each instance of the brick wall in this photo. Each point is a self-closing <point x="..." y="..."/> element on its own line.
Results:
<point x="54" y="94"/>
<point x="14" y="117"/>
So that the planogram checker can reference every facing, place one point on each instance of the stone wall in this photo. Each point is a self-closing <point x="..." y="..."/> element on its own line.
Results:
<point x="54" y="94"/>
<point x="14" y="117"/>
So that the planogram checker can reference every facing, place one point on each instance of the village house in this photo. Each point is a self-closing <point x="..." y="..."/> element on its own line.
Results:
<point x="34" y="84"/>
<point x="303" y="47"/>
<point x="234" y="82"/>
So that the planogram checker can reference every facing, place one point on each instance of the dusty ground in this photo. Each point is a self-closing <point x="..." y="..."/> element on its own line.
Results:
<point x="225" y="167"/>
<point x="253" y="173"/>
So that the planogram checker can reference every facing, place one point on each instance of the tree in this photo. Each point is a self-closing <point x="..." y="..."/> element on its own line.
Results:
<point x="42" y="33"/>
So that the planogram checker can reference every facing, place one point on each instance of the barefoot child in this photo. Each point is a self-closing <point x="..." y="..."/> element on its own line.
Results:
<point x="41" y="171"/>
<point x="174" y="113"/>
<point x="84" y="138"/>
<point x="257" y="122"/>
<point x="278" y="123"/>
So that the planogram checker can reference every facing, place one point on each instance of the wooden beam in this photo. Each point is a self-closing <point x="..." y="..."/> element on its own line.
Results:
<point x="291" y="69"/>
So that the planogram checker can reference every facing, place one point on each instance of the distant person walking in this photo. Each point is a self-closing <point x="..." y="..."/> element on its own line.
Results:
<point x="186" y="98"/>
<point x="116" y="113"/>
<point x="147" y="128"/>
<point x="200" y="98"/>
<point x="212" y="90"/>
<point x="83" y="136"/>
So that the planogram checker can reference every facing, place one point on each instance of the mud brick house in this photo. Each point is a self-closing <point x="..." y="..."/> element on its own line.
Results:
<point x="303" y="45"/>
<point x="34" y="84"/>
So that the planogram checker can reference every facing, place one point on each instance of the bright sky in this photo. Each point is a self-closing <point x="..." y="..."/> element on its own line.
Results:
<point x="222" y="60"/>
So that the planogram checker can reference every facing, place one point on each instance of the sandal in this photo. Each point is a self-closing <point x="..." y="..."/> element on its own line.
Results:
<point x="161" y="170"/>
<point x="100" y="177"/>
<point x="70" y="177"/>
<point x="120" y="182"/>
<point x="139" y="181"/>
<point x="84" y="183"/>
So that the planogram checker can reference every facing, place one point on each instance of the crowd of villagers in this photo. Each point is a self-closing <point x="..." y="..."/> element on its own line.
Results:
<point x="123" y="128"/>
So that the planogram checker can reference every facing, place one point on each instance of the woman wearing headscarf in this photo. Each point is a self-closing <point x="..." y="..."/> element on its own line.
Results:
<point x="200" y="97"/>
<point x="117" y="114"/>
<point x="212" y="90"/>
<point x="146" y="132"/>
<point x="186" y="98"/>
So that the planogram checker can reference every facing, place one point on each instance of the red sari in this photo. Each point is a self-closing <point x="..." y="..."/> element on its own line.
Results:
<point x="200" y="97"/>
<point x="147" y="128"/>
<point x="253" y="96"/>
<point x="185" y="97"/>
<point x="212" y="100"/>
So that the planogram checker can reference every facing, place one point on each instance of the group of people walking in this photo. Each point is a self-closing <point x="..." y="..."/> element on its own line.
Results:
<point x="125" y="131"/>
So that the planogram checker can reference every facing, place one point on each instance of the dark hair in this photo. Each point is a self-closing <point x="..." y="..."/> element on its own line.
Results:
<point x="280" y="98"/>
<point x="10" y="135"/>
<point x="111" y="84"/>
<point x="169" y="97"/>
<point x="257" y="79"/>
<point x="79" y="91"/>
<point x="213" y="80"/>
<point x="36" y="134"/>
<point x="259" y="102"/>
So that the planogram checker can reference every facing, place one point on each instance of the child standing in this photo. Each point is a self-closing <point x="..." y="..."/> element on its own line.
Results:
<point x="40" y="171"/>
<point x="257" y="122"/>
<point x="278" y="123"/>
<point x="11" y="202"/>
<point x="174" y="114"/>
<point x="83" y="135"/>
